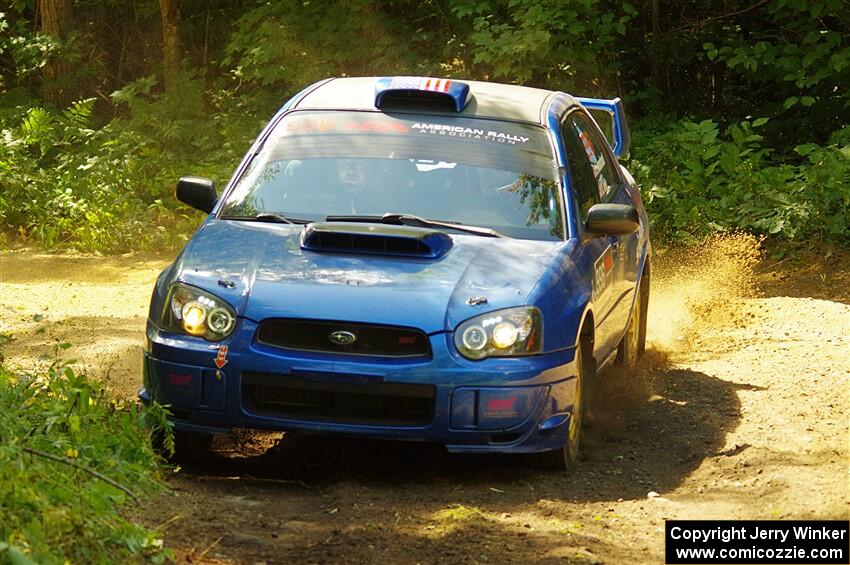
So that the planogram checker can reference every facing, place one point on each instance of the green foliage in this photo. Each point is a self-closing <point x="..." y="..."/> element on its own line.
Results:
<point x="696" y="180"/>
<point x="62" y="184"/>
<point x="65" y="182"/>
<point x="57" y="511"/>
<point x="554" y="42"/>
<point x="165" y="135"/>
<point x="280" y="47"/>
<point x="816" y="54"/>
<point x="29" y="52"/>
<point x="787" y="59"/>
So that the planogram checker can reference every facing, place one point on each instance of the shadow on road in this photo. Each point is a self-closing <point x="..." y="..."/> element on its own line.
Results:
<point x="652" y="430"/>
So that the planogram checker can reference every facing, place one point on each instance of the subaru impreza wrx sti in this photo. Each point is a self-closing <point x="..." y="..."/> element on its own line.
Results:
<point x="409" y="258"/>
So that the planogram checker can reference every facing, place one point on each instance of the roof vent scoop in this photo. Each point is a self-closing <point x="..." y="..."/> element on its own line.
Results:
<point x="372" y="239"/>
<point x="397" y="92"/>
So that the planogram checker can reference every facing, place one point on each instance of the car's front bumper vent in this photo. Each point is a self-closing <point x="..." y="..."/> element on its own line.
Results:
<point x="344" y="338"/>
<point x="298" y="397"/>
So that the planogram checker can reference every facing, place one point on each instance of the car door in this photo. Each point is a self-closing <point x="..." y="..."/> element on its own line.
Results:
<point x="613" y="188"/>
<point x="598" y="252"/>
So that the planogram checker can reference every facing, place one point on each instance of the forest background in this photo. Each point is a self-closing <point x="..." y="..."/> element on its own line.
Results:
<point x="738" y="109"/>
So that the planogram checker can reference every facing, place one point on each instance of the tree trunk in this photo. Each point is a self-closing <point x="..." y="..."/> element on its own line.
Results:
<point x="170" y="10"/>
<point x="655" y="64"/>
<point x="656" y="18"/>
<point x="55" y="22"/>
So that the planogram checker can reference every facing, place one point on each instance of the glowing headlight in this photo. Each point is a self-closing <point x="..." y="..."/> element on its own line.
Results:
<point x="194" y="315"/>
<point x="195" y="312"/>
<point x="505" y="333"/>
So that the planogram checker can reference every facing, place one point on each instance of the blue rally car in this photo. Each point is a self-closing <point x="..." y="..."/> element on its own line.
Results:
<point x="408" y="258"/>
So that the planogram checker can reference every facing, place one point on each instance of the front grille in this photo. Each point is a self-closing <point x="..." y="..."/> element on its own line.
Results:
<point x="305" y="397"/>
<point x="316" y="335"/>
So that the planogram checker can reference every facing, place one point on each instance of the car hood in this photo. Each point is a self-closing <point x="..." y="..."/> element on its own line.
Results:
<point x="262" y="270"/>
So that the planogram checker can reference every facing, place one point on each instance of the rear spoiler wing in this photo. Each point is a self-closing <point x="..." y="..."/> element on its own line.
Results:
<point x="622" y="138"/>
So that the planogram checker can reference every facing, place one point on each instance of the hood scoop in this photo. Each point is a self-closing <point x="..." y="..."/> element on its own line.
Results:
<point x="375" y="239"/>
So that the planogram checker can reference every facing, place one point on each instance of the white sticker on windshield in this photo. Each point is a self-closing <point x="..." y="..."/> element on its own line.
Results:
<point x="425" y="166"/>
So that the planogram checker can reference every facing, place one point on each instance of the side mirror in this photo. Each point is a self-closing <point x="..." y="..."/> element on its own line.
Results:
<point x="197" y="192"/>
<point x="612" y="219"/>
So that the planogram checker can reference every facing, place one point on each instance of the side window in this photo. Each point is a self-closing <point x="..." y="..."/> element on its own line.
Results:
<point x="605" y="179"/>
<point x="581" y="172"/>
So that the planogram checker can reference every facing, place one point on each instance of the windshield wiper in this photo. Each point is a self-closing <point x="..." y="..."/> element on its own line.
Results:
<point x="268" y="217"/>
<point x="416" y="221"/>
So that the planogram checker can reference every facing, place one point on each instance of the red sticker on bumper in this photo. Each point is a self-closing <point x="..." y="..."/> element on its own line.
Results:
<point x="221" y="358"/>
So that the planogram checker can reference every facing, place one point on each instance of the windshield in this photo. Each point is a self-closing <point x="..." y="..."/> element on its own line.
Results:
<point x="500" y="175"/>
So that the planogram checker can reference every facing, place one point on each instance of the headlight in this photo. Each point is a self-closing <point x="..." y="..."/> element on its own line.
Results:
<point x="195" y="312"/>
<point x="504" y="333"/>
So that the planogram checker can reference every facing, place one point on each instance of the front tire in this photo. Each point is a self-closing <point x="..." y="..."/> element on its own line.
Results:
<point x="566" y="458"/>
<point x="191" y="447"/>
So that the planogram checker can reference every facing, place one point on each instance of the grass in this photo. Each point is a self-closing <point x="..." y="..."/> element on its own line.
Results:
<point x="72" y="461"/>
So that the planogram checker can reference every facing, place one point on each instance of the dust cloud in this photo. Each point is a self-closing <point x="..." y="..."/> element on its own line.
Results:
<point x="699" y="287"/>
<point x="696" y="291"/>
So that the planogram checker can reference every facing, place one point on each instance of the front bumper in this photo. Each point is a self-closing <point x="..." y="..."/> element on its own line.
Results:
<point x="495" y="405"/>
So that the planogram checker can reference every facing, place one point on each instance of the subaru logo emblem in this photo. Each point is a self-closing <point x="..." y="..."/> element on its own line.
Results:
<point x="342" y="337"/>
